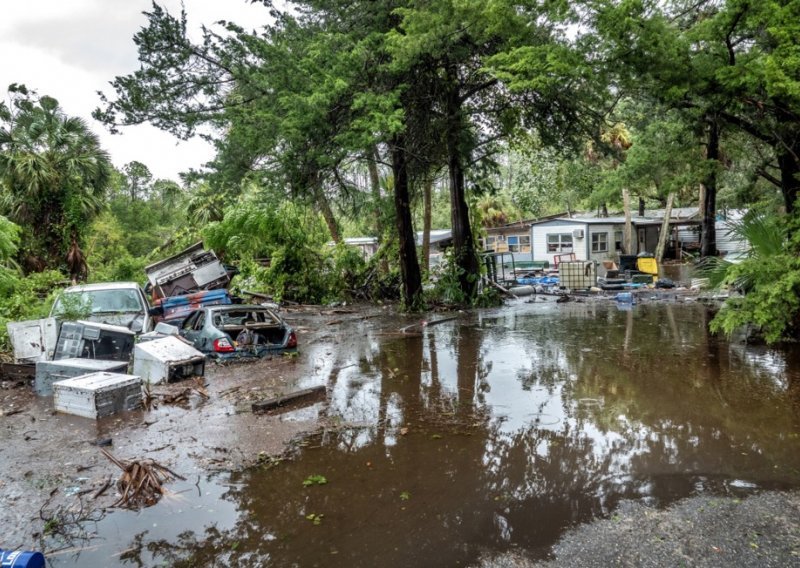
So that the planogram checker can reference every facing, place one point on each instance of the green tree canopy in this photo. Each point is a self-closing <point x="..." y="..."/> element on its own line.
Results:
<point x="54" y="175"/>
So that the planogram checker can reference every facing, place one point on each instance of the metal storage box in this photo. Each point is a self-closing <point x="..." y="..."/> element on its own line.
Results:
<point x="48" y="372"/>
<point x="90" y="340"/>
<point x="97" y="394"/>
<point x="33" y="340"/>
<point x="166" y="360"/>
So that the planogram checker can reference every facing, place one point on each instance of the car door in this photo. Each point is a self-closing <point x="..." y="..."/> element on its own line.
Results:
<point x="192" y="327"/>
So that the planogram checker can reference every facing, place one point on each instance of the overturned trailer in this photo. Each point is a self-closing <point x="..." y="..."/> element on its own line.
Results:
<point x="191" y="270"/>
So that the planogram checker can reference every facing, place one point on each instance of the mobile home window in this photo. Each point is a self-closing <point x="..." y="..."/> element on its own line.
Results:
<point x="517" y="243"/>
<point x="559" y="242"/>
<point x="617" y="240"/>
<point x="599" y="242"/>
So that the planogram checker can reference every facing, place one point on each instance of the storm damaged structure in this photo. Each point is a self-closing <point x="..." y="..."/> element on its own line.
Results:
<point x="191" y="270"/>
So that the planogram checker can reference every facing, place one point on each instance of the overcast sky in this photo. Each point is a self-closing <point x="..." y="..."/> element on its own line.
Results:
<point x="70" y="49"/>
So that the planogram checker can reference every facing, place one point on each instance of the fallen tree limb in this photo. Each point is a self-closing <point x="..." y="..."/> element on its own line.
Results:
<point x="279" y="401"/>
<point x="425" y="323"/>
<point x="501" y="288"/>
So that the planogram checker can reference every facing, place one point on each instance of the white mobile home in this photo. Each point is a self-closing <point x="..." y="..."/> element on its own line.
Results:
<point x="587" y="239"/>
<point x="597" y="238"/>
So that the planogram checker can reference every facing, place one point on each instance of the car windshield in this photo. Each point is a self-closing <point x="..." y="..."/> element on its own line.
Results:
<point x="98" y="301"/>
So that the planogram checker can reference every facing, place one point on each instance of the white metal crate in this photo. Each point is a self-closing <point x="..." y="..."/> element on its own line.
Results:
<point x="166" y="360"/>
<point x="49" y="372"/>
<point x="97" y="394"/>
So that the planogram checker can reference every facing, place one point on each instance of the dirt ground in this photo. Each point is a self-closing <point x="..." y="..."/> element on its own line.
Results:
<point x="50" y="461"/>
<point x="761" y="530"/>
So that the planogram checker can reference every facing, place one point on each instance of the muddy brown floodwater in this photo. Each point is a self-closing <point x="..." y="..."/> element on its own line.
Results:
<point x="497" y="431"/>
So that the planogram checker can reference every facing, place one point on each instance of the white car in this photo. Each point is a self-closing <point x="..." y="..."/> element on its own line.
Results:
<point x="114" y="303"/>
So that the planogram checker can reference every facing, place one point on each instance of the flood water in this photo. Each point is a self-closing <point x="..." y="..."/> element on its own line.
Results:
<point x="498" y="430"/>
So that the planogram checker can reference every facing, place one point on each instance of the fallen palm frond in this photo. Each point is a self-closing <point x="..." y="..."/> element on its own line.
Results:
<point x="141" y="483"/>
<point x="151" y="399"/>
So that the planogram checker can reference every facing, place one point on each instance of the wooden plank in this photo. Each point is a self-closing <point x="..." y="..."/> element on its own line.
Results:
<point x="279" y="401"/>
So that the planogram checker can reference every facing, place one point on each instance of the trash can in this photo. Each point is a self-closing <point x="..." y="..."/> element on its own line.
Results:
<point x="21" y="559"/>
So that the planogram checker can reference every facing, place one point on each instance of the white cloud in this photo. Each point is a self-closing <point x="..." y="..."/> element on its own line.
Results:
<point x="70" y="50"/>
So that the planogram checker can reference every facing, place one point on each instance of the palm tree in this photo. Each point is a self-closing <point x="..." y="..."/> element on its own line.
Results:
<point x="206" y="204"/>
<point x="9" y="242"/>
<point x="53" y="177"/>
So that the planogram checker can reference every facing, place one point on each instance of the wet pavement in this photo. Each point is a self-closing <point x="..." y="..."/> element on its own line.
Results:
<point x="496" y="431"/>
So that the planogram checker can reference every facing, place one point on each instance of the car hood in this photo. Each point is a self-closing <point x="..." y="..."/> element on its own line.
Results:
<point x="126" y="319"/>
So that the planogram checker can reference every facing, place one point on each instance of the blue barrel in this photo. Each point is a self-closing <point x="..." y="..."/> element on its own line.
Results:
<point x="21" y="559"/>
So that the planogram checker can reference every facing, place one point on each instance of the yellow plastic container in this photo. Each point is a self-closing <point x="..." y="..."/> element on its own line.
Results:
<point x="648" y="265"/>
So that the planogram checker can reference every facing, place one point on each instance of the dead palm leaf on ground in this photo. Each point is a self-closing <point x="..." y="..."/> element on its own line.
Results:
<point x="141" y="482"/>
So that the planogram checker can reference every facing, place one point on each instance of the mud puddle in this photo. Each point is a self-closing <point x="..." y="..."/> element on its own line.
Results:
<point x="496" y="431"/>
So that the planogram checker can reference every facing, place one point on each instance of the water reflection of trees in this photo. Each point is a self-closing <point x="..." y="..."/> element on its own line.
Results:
<point x="651" y="408"/>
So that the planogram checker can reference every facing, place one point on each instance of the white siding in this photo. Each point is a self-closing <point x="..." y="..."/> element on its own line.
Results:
<point x="539" y="234"/>
<point x="726" y="241"/>
<point x="689" y="233"/>
<point x="609" y="230"/>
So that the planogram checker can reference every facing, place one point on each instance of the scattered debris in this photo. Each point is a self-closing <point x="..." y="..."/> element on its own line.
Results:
<point x="142" y="481"/>
<point x="69" y="523"/>
<point x="183" y="396"/>
<point x="103" y="488"/>
<point x="11" y="412"/>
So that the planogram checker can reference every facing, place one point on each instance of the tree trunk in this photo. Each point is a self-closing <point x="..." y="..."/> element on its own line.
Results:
<point x="427" y="191"/>
<point x="409" y="265"/>
<point x="708" y="233"/>
<point x="790" y="179"/>
<point x="465" y="255"/>
<point x="662" y="236"/>
<point x="375" y="187"/>
<point x="327" y="214"/>
<point x="627" y="233"/>
<point x="604" y="210"/>
<point x="641" y="206"/>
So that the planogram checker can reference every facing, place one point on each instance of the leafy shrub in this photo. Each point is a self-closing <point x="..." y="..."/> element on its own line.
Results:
<point x="125" y="268"/>
<point x="447" y="286"/>
<point x="771" y="301"/>
<point x="299" y="266"/>
<point x="769" y="280"/>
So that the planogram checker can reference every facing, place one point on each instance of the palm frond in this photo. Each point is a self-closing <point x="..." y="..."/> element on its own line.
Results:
<point x="763" y="232"/>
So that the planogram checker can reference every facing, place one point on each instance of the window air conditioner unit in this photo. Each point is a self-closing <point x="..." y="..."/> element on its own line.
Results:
<point x="577" y="233"/>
